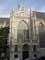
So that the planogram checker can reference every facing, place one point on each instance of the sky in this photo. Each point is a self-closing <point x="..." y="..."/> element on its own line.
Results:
<point x="7" y="5"/>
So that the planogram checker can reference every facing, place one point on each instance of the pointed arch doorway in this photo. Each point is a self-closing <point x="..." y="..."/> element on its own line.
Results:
<point x="25" y="51"/>
<point x="23" y="37"/>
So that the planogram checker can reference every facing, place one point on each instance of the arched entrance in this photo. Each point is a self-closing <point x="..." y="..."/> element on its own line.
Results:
<point x="25" y="52"/>
<point x="41" y="35"/>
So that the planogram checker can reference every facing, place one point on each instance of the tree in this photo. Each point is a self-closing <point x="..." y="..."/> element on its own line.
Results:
<point x="3" y="40"/>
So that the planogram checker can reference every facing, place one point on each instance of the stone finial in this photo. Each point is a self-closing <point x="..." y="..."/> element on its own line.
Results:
<point x="21" y="7"/>
<point x="31" y="11"/>
<point x="12" y="12"/>
<point x="4" y="24"/>
<point x="28" y="11"/>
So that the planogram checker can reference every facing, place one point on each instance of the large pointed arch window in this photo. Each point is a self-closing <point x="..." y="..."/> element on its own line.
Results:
<point x="41" y="35"/>
<point x="23" y="32"/>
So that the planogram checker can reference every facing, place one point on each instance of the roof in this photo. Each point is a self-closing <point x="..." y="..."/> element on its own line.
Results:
<point x="2" y="19"/>
<point x="40" y="15"/>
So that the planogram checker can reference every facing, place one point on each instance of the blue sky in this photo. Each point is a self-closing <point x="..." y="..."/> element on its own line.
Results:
<point x="6" y="5"/>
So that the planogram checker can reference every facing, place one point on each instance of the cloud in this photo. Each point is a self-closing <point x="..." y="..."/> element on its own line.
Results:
<point x="42" y="9"/>
<point x="2" y="1"/>
<point x="6" y="15"/>
<point x="3" y="12"/>
<point x="4" y="8"/>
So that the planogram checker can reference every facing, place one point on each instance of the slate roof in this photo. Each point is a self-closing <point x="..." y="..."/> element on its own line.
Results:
<point x="40" y="15"/>
<point x="2" y="19"/>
